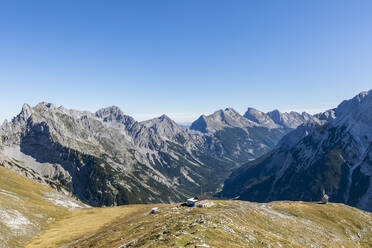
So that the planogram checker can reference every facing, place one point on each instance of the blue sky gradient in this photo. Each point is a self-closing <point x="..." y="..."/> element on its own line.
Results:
<point x="184" y="58"/>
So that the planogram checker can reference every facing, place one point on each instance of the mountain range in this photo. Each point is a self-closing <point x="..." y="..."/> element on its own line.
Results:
<point x="331" y="152"/>
<point x="108" y="158"/>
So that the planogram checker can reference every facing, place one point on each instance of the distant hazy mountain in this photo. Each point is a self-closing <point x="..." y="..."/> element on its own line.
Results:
<point x="221" y="119"/>
<point x="242" y="138"/>
<point x="277" y="119"/>
<point x="333" y="153"/>
<point x="108" y="158"/>
<point x="229" y="134"/>
<point x="261" y="118"/>
<point x="291" y="119"/>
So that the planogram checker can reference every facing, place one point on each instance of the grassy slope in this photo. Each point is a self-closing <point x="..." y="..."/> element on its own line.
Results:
<point x="85" y="224"/>
<point x="25" y="209"/>
<point x="227" y="224"/>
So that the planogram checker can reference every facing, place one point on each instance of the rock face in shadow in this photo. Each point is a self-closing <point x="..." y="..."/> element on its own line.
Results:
<point x="334" y="154"/>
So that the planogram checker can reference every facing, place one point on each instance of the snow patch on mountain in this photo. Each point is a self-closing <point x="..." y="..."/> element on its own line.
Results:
<point x="15" y="221"/>
<point x="63" y="201"/>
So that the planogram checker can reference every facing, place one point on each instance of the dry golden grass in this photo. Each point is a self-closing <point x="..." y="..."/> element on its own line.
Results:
<point x="82" y="223"/>
<point x="227" y="224"/>
<point x="27" y="198"/>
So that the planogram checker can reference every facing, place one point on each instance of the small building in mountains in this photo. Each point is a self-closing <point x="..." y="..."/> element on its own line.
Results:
<point x="191" y="202"/>
<point x="325" y="197"/>
<point x="199" y="200"/>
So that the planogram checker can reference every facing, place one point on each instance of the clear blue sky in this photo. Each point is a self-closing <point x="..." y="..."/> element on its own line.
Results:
<point x="184" y="57"/>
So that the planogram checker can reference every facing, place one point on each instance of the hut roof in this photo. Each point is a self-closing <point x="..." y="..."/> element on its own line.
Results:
<point x="201" y="197"/>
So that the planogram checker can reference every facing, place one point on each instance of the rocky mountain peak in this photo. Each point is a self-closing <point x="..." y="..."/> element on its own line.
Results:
<point x="115" y="117"/>
<point x="165" y="127"/>
<point x="328" y="115"/>
<point x="25" y="112"/>
<point x="355" y="115"/>
<point x="110" y="113"/>
<point x="200" y="124"/>
<point x="230" y="111"/>
<point x="361" y="102"/>
<point x="260" y="118"/>
<point x="166" y="118"/>
<point x="289" y="120"/>
<point x="275" y="112"/>
<point x="44" y="107"/>
<point x="232" y="114"/>
<point x="161" y="120"/>
<point x="46" y="104"/>
<point x="362" y="95"/>
<point x="219" y="120"/>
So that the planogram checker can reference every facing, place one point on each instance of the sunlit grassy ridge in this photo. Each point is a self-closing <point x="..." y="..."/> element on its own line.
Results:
<point x="26" y="208"/>
<point x="227" y="224"/>
<point x="86" y="224"/>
